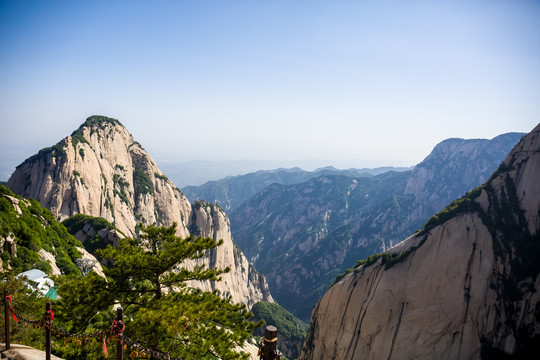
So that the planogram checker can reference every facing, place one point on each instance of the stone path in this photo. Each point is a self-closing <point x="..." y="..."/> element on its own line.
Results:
<point x="22" y="352"/>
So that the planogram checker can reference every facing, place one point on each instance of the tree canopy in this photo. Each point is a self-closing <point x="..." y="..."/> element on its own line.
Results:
<point x="150" y="279"/>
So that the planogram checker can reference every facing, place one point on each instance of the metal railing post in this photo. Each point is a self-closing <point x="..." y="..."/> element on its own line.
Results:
<point x="47" y="332"/>
<point x="6" y="315"/>
<point x="120" y="339"/>
<point x="268" y="344"/>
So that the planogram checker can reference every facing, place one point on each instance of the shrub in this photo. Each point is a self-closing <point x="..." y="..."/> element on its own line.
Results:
<point x="142" y="182"/>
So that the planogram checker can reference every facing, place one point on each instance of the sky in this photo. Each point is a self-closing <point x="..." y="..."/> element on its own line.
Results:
<point x="303" y="83"/>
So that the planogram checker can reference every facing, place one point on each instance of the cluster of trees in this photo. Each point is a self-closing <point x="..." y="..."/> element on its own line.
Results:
<point x="35" y="228"/>
<point x="148" y="279"/>
<point x="77" y="222"/>
<point x="147" y="276"/>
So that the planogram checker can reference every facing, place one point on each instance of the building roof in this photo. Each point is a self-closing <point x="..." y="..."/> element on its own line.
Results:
<point x="34" y="274"/>
<point x="39" y="280"/>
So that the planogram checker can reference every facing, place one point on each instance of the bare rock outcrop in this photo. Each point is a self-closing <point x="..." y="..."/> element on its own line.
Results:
<point x="92" y="261"/>
<point x="101" y="171"/>
<point x="47" y="256"/>
<point x="302" y="235"/>
<point x="465" y="287"/>
<point x="211" y="221"/>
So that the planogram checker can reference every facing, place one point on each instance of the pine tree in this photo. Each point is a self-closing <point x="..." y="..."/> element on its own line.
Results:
<point x="148" y="278"/>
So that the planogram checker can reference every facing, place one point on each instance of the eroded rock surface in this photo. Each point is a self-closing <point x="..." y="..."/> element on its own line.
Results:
<point x="101" y="171"/>
<point x="464" y="288"/>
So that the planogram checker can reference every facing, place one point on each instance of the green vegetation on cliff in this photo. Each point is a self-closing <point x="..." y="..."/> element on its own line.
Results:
<point x="291" y="330"/>
<point x="56" y="151"/>
<point x="77" y="222"/>
<point x="142" y="182"/>
<point x="32" y="229"/>
<point x="288" y="325"/>
<point x="98" y="121"/>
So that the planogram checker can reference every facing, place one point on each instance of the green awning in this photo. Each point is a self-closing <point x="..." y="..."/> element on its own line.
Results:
<point x="51" y="294"/>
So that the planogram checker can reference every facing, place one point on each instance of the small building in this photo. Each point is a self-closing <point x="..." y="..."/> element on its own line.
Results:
<point x="39" y="281"/>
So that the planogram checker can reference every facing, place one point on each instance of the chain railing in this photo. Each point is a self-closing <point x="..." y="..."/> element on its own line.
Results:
<point x="115" y="333"/>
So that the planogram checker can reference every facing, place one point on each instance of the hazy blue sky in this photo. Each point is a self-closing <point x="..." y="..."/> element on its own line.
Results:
<point x="348" y="83"/>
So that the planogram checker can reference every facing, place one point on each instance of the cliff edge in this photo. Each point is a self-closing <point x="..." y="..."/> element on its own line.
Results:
<point x="465" y="287"/>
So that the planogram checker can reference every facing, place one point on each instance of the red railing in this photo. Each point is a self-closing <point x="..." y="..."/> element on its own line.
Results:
<point x="116" y="332"/>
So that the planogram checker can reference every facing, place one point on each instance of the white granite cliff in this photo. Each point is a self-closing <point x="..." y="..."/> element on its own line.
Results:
<point x="464" y="288"/>
<point x="101" y="171"/>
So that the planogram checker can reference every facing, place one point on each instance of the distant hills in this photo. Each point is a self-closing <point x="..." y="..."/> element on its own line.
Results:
<point x="199" y="172"/>
<point x="231" y="192"/>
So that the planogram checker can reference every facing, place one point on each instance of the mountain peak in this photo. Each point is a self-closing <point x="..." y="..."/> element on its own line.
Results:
<point x="101" y="171"/>
<point x="94" y="123"/>
<point x="98" y="121"/>
<point x="326" y="168"/>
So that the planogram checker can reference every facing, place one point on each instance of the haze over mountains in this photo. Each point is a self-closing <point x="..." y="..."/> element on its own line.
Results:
<point x="198" y="172"/>
<point x="233" y="191"/>
<point x="295" y="231"/>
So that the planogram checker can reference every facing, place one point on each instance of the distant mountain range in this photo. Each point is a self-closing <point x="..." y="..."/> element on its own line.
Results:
<point x="300" y="228"/>
<point x="233" y="191"/>
<point x="301" y="235"/>
<point x="199" y="172"/>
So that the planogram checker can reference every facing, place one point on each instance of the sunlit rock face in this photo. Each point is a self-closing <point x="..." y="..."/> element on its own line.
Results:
<point x="463" y="288"/>
<point x="301" y="236"/>
<point x="101" y="171"/>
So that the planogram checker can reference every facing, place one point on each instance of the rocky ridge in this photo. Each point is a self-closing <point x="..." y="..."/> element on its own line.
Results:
<point x="101" y="171"/>
<point x="302" y="236"/>
<point x="451" y="159"/>
<point x="465" y="287"/>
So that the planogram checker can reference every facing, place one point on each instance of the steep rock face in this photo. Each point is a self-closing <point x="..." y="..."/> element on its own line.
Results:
<point x="463" y="288"/>
<point x="451" y="160"/>
<point x="301" y="236"/>
<point x="101" y="171"/>
<point x="211" y="221"/>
